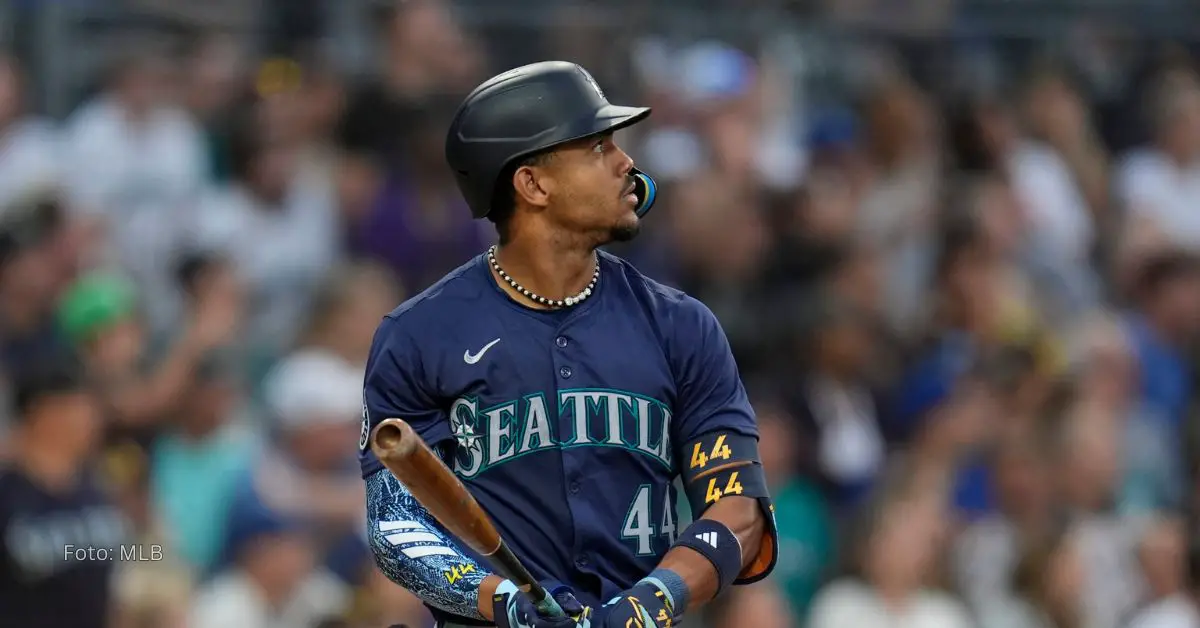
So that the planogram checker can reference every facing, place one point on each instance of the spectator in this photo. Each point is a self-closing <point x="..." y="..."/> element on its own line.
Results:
<point x="316" y="401"/>
<point x="721" y="251"/>
<point x="1156" y="183"/>
<point x="760" y="605"/>
<point x="1107" y="391"/>
<point x="1055" y="112"/>
<point x="424" y="54"/>
<point x="900" y="202"/>
<point x="213" y="293"/>
<point x="197" y="455"/>
<point x="314" y="396"/>
<point x="1163" y="559"/>
<point x="1047" y="585"/>
<point x="1164" y="319"/>
<point x="379" y="601"/>
<point x="30" y="162"/>
<point x="28" y="286"/>
<point x="965" y="311"/>
<point x="1160" y="326"/>
<point x="896" y="562"/>
<point x="807" y="528"/>
<point x="52" y="504"/>
<point x="952" y="446"/>
<point x="813" y="235"/>
<point x="278" y="229"/>
<point x="156" y="590"/>
<point x="837" y="407"/>
<point x="272" y="582"/>
<point x="1186" y="610"/>
<point x="722" y="87"/>
<point x="987" y="551"/>
<point x="197" y="462"/>
<point x="134" y="163"/>
<point x="855" y="277"/>
<point x="351" y="301"/>
<point x="216" y="74"/>
<point x="1132" y="247"/>
<point x="99" y="317"/>
<point x="303" y="112"/>
<point x="1051" y="228"/>
<point x="1089" y="460"/>
<point x="416" y="223"/>
<point x="1103" y="367"/>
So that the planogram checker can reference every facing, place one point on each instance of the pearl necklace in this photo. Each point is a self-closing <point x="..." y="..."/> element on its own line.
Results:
<point x="556" y="303"/>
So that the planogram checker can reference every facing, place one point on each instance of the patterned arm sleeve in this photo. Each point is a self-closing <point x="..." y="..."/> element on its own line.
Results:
<point x="415" y="552"/>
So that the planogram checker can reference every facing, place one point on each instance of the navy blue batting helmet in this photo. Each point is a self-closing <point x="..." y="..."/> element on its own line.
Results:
<point x="525" y="111"/>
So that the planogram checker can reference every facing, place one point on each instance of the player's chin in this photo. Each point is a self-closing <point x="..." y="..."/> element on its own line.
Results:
<point x="626" y="228"/>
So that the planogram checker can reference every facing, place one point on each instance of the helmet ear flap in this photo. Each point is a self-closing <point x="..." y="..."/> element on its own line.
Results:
<point x="646" y="191"/>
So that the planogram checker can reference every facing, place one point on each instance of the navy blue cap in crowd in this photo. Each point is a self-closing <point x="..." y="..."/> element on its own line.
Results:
<point x="646" y="190"/>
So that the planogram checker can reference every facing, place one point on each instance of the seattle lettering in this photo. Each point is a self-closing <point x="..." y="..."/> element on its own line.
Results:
<point x="488" y="437"/>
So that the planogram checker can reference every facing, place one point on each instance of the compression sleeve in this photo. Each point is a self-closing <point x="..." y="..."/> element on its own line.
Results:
<point x="414" y="551"/>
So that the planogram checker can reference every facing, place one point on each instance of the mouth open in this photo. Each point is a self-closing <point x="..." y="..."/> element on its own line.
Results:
<point x="629" y="191"/>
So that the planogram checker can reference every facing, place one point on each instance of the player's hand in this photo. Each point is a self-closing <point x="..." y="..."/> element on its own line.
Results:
<point x="512" y="608"/>
<point x="642" y="606"/>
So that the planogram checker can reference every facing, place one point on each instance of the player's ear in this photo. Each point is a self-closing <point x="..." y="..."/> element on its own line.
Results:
<point x="532" y="185"/>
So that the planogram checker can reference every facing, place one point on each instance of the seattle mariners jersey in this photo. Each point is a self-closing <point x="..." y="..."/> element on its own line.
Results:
<point x="565" y="425"/>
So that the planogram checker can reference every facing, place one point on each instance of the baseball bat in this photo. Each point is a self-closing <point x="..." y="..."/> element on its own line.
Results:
<point x="410" y="460"/>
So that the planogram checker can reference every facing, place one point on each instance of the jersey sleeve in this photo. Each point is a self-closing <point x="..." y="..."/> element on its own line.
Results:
<point x="710" y="394"/>
<point x="413" y="550"/>
<point x="408" y="544"/>
<point x="397" y="385"/>
<point x="715" y="431"/>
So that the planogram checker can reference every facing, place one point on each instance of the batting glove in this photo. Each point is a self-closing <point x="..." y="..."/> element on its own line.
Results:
<point x="512" y="608"/>
<point x="642" y="606"/>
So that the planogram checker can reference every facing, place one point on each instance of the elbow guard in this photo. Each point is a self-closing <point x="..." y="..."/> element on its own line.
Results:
<point x="724" y="463"/>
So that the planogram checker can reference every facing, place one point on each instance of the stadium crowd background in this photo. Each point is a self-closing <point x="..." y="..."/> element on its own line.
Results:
<point x="954" y="244"/>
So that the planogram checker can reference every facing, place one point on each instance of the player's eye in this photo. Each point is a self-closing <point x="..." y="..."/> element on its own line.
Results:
<point x="599" y="146"/>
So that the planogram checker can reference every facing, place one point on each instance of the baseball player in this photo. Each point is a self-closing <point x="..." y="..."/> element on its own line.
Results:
<point x="565" y="389"/>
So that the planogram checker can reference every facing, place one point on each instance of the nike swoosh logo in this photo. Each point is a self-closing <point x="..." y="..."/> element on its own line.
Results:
<point x="470" y="358"/>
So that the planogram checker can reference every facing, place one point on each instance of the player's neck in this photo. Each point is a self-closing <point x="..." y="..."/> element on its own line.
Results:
<point x="548" y="269"/>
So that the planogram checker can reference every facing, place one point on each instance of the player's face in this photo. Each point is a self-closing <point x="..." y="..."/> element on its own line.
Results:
<point x="594" y="191"/>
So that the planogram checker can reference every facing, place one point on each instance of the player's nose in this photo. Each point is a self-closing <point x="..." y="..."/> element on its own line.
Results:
<point x="624" y="163"/>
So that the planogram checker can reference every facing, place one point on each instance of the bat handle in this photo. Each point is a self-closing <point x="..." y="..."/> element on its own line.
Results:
<point x="515" y="571"/>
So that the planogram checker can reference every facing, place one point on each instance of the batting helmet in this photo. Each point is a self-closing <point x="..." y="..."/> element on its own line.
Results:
<point x="524" y="111"/>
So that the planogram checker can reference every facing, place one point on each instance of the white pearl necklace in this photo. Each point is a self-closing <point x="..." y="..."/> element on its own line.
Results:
<point x="556" y="303"/>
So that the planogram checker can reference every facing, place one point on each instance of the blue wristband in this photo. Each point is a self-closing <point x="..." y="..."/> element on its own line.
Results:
<point x="672" y="585"/>
<point x="716" y="542"/>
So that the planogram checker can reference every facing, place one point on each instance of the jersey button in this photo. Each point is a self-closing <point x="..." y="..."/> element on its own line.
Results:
<point x="565" y="372"/>
<point x="581" y="560"/>
<point x="574" y="487"/>
<point x="561" y="341"/>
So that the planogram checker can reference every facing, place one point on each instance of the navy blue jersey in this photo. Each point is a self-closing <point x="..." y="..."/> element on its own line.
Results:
<point x="565" y="425"/>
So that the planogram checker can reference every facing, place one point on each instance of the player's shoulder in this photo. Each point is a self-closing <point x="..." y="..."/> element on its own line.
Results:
<point x="660" y="300"/>
<point x="443" y="301"/>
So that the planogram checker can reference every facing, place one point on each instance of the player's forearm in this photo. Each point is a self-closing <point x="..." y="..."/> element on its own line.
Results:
<point x="744" y="517"/>
<point x="413" y="551"/>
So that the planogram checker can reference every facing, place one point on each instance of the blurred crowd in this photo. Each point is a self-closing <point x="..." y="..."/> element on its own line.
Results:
<point x="963" y="290"/>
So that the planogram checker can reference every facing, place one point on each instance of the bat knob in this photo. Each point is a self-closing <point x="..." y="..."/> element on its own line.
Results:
<point x="393" y="436"/>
